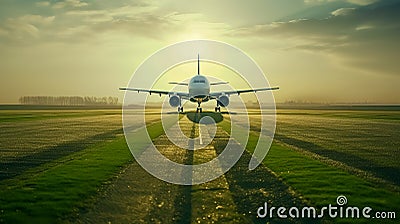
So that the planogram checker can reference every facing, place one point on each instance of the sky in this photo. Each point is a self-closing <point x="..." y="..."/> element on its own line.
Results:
<point x="323" y="51"/>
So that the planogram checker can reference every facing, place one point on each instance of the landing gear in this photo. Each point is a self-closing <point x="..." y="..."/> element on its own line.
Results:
<point x="199" y="109"/>
<point x="218" y="108"/>
<point x="180" y="109"/>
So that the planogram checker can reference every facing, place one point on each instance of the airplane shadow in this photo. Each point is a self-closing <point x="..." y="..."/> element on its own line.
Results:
<point x="196" y="117"/>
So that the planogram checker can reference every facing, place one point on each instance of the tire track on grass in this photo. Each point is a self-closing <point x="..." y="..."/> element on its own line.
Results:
<point x="137" y="197"/>
<point x="252" y="188"/>
<point x="210" y="202"/>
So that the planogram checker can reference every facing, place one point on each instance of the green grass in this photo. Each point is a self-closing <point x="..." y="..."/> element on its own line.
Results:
<point x="393" y="115"/>
<point x="50" y="196"/>
<point x="63" y="187"/>
<point x="319" y="183"/>
<point x="358" y="139"/>
<point x="32" y="115"/>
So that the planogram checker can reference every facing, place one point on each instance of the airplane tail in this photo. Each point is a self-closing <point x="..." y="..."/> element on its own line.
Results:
<point x="198" y="64"/>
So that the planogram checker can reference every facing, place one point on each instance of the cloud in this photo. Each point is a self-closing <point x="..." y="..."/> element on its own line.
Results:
<point x="342" y="11"/>
<point x="43" y="4"/>
<point x="317" y="1"/>
<point x="147" y="25"/>
<point x="79" y="21"/>
<point x="70" y="32"/>
<point x="140" y="20"/>
<point x="91" y="16"/>
<point x="24" y="27"/>
<point x="356" y="2"/>
<point x="365" y="39"/>
<point x="362" y="2"/>
<point x="36" y="19"/>
<point x="70" y="3"/>
<point x="364" y="27"/>
<point x="21" y="30"/>
<point x="137" y="20"/>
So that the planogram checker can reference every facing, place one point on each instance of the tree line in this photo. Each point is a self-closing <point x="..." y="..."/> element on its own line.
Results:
<point x="68" y="100"/>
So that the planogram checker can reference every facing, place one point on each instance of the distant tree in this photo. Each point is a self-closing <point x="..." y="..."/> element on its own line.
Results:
<point x="68" y="100"/>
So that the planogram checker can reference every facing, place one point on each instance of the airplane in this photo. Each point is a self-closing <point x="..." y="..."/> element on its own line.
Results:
<point x="198" y="91"/>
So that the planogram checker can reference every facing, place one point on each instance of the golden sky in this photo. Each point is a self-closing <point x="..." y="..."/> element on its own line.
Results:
<point x="331" y="51"/>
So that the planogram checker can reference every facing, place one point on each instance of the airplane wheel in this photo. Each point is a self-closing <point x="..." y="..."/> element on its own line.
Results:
<point x="201" y="110"/>
<point x="181" y="109"/>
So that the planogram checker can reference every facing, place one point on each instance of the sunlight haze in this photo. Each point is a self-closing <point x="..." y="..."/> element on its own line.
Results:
<point x="316" y="51"/>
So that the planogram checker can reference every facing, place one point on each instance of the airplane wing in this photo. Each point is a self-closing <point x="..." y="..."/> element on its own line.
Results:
<point x="218" y="83"/>
<point x="238" y="92"/>
<point x="160" y="92"/>
<point x="179" y="83"/>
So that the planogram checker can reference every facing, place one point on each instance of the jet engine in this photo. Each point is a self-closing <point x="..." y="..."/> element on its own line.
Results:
<point x="174" y="101"/>
<point x="223" y="101"/>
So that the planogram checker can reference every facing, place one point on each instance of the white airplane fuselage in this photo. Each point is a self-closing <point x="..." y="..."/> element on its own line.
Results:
<point x="199" y="92"/>
<point x="199" y="89"/>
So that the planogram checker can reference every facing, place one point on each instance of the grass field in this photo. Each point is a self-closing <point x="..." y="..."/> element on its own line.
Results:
<point x="366" y="140"/>
<point x="60" y="165"/>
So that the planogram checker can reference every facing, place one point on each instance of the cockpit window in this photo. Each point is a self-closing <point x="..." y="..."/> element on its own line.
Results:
<point x="199" y="81"/>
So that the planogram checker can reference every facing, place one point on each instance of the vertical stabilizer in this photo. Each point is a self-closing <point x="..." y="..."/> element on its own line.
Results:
<point x="198" y="64"/>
